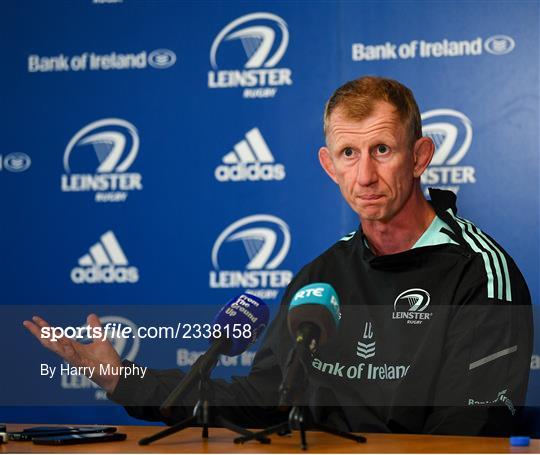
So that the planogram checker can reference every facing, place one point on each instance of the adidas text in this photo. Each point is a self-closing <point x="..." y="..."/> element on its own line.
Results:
<point x="107" y="274"/>
<point x="251" y="172"/>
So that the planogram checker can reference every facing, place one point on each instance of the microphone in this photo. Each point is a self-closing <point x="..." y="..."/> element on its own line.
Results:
<point x="314" y="315"/>
<point x="313" y="319"/>
<point x="241" y="321"/>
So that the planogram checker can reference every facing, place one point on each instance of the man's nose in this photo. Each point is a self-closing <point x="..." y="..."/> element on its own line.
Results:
<point x="366" y="171"/>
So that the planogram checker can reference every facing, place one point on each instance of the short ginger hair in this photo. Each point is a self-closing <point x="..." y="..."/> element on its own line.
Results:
<point x="357" y="99"/>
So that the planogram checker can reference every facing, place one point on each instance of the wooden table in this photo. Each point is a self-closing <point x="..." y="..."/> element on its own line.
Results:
<point x="221" y="441"/>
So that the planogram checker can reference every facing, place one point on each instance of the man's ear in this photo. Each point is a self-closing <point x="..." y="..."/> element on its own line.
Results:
<point x="423" y="153"/>
<point x="327" y="163"/>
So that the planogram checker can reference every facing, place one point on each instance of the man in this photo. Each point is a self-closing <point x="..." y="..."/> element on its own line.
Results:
<point x="436" y="331"/>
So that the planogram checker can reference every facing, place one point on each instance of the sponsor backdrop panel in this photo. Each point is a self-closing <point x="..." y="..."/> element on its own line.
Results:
<point x="165" y="153"/>
<point x="58" y="103"/>
<point x="461" y="63"/>
<point x="264" y="149"/>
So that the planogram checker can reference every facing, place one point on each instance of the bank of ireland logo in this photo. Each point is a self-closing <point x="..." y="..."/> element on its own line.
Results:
<point x="362" y="370"/>
<point x="411" y="304"/>
<point x="15" y="162"/>
<point x="452" y="133"/>
<point x="126" y="347"/>
<point x="97" y="159"/>
<point x="502" y="397"/>
<point x="105" y="263"/>
<point x="250" y="160"/>
<point x="499" y="44"/>
<point x="161" y="58"/>
<point x="258" y="42"/>
<point x="248" y="253"/>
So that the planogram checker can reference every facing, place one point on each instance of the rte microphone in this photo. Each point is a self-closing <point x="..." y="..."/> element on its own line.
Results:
<point x="243" y="315"/>
<point x="314" y="315"/>
<point x="313" y="319"/>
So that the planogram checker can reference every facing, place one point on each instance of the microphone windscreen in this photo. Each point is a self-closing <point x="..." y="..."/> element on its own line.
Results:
<point x="315" y="314"/>
<point x="241" y="320"/>
<point x="316" y="303"/>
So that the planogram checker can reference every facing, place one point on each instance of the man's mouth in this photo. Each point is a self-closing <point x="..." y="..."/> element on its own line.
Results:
<point x="370" y="197"/>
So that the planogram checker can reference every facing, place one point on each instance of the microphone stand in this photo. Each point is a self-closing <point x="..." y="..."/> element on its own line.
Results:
<point x="201" y="415"/>
<point x="291" y="390"/>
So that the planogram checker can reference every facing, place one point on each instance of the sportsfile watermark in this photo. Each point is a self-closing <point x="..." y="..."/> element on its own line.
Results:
<point x="380" y="346"/>
<point x="185" y="331"/>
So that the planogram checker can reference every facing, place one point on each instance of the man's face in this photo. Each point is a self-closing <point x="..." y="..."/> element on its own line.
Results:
<point x="372" y="161"/>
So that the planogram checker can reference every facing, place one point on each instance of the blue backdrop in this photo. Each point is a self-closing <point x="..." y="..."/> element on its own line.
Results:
<point x="141" y="140"/>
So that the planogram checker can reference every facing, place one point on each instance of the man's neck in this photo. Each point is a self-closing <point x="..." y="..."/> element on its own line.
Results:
<point x="403" y="231"/>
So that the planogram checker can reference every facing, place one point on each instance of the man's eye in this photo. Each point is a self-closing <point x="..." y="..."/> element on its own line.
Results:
<point x="382" y="149"/>
<point x="348" y="152"/>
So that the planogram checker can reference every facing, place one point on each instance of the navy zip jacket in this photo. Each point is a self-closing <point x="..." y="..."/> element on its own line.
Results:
<point x="436" y="339"/>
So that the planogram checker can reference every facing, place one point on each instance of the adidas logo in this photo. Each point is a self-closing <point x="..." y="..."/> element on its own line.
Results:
<point x="365" y="350"/>
<point x="104" y="263"/>
<point x="251" y="159"/>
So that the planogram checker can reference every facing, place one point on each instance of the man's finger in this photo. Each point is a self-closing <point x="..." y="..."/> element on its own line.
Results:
<point x="52" y="337"/>
<point x="40" y="321"/>
<point x="36" y="331"/>
<point x="62" y="346"/>
<point x="33" y="329"/>
<point x="93" y="320"/>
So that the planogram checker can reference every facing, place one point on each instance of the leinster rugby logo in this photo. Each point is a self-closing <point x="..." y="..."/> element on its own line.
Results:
<point x="97" y="160"/>
<point x="248" y="255"/>
<point x="410" y="305"/>
<point x="264" y="38"/>
<point x="452" y="133"/>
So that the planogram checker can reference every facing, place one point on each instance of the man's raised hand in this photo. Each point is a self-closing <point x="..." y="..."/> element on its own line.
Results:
<point x="99" y="352"/>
